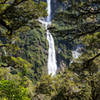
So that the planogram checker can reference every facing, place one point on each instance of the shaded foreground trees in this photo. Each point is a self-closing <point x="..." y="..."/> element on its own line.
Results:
<point x="10" y="90"/>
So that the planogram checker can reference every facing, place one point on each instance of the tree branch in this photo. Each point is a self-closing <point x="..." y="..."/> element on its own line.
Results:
<point x="94" y="57"/>
<point x="87" y="63"/>
<point x="5" y="25"/>
<point x="86" y="33"/>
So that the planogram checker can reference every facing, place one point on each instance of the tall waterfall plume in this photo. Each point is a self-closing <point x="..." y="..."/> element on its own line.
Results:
<point x="52" y="65"/>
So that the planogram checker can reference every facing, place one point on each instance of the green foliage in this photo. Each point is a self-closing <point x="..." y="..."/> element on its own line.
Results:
<point x="21" y="62"/>
<point x="92" y="41"/>
<point x="10" y="90"/>
<point x="19" y="27"/>
<point x="66" y="85"/>
<point x="23" y="51"/>
<point x="45" y="85"/>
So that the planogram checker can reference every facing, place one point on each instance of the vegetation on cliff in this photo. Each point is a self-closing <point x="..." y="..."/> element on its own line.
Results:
<point x="23" y="51"/>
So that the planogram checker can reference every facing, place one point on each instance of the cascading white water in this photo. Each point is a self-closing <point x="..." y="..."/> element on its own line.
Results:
<point x="49" y="10"/>
<point x="52" y="66"/>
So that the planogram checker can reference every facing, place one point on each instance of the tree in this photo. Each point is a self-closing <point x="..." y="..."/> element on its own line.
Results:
<point x="79" y="24"/>
<point x="17" y="13"/>
<point x="10" y="90"/>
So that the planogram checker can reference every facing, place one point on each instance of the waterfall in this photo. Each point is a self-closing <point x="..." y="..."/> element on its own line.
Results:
<point x="49" y="10"/>
<point x="52" y="66"/>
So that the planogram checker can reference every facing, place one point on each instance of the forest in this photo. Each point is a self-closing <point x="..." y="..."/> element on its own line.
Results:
<point x="74" y="33"/>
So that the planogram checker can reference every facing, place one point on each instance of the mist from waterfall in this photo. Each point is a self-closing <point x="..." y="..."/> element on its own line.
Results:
<point x="52" y="65"/>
